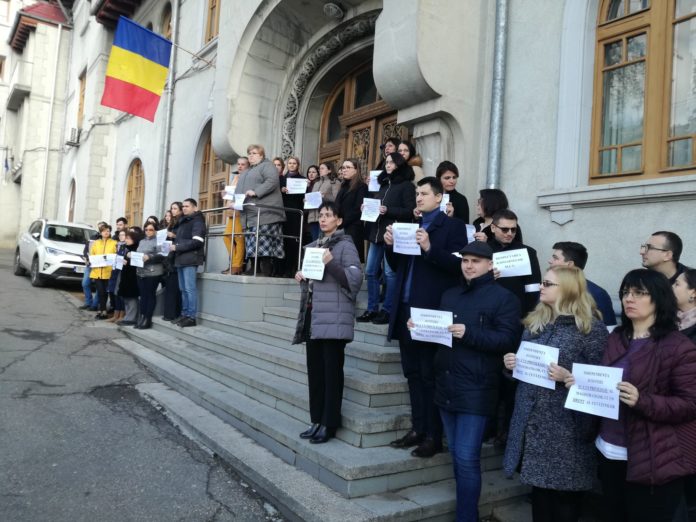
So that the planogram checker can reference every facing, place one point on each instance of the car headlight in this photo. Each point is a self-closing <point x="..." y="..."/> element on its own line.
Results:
<point x="55" y="251"/>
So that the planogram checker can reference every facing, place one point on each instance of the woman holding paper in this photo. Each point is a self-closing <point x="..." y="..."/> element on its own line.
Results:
<point x="326" y="322"/>
<point x="549" y="445"/>
<point x="127" y="289"/>
<point x="149" y="275"/>
<point x="646" y="454"/>
<point x="349" y="199"/>
<point x="101" y="275"/>
<point x="288" y="266"/>
<point x="329" y="185"/>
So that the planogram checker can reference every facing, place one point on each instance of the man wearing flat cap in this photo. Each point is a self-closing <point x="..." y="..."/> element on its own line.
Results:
<point x="486" y="319"/>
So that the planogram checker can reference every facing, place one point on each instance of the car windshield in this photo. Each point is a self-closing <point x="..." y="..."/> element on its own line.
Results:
<point x="66" y="234"/>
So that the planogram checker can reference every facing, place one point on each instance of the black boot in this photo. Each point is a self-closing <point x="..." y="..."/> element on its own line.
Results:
<point x="139" y="324"/>
<point x="147" y="323"/>
<point x="250" y="267"/>
<point x="323" y="435"/>
<point x="311" y="431"/>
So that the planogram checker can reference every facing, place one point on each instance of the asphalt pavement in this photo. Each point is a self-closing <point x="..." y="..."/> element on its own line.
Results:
<point x="78" y="442"/>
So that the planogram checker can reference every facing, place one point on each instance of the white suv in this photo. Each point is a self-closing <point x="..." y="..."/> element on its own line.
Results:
<point x="52" y="250"/>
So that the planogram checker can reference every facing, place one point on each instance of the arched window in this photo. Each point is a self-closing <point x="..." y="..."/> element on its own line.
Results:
<point x="166" y="24"/>
<point x="213" y="177"/>
<point x="644" y="110"/>
<point x="135" y="193"/>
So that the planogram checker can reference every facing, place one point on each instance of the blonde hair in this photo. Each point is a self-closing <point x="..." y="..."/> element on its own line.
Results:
<point x="257" y="148"/>
<point x="296" y="159"/>
<point x="573" y="299"/>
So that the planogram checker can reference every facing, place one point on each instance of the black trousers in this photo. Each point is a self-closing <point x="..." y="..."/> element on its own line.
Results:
<point x="325" y="378"/>
<point x="172" y="295"/>
<point x="102" y="285"/>
<point x="629" y="502"/>
<point x="148" y="295"/>
<point x="550" y="505"/>
<point x="418" y="365"/>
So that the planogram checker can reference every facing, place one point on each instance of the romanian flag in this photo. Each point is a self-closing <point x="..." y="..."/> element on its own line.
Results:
<point x="137" y="70"/>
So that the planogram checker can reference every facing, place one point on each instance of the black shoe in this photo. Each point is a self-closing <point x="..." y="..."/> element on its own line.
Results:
<point x="85" y="307"/>
<point x="366" y="317"/>
<point x="100" y="315"/>
<point x="146" y="324"/>
<point x="323" y="435"/>
<point x="139" y="323"/>
<point x="382" y="317"/>
<point x="427" y="448"/>
<point x="310" y="432"/>
<point x="410" y="439"/>
<point x="186" y="322"/>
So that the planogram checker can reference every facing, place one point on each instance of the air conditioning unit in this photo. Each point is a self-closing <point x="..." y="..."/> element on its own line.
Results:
<point x="74" y="139"/>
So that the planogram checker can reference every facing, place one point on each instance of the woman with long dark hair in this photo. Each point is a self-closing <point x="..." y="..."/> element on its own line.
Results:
<point x="172" y="296"/>
<point x="127" y="288"/>
<point x="329" y="185"/>
<point x="149" y="275"/>
<point x="349" y="200"/>
<point x="288" y="266"/>
<point x="490" y="201"/>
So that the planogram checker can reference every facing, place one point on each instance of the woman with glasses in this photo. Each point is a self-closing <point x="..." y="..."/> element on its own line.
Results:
<point x="149" y="275"/>
<point x="646" y="454"/>
<point x="548" y="444"/>
<point x="349" y="200"/>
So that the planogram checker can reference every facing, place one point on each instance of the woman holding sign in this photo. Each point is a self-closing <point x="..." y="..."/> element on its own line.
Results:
<point x="349" y="199"/>
<point x="101" y="275"/>
<point x="328" y="185"/>
<point x="646" y="454"/>
<point x="149" y="275"/>
<point x="552" y="446"/>
<point x="326" y="322"/>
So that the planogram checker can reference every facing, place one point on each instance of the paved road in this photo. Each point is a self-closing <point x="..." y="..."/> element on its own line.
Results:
<point x="77" y="441"/>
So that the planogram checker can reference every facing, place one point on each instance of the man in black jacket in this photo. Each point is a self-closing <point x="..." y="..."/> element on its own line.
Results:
<point x="420" y="282"/>
<point x="189" y="252"/>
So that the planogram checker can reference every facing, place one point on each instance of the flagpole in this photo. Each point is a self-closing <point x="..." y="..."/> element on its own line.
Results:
<point x="194" y="54"/>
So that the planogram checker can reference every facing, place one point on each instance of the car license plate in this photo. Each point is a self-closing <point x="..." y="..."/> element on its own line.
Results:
<point x="79" y="269"/>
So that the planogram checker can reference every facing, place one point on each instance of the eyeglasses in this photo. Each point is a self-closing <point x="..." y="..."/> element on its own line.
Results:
<point x="547" y="284"/>
<point x="507" y="230"/>
<point x="635" y="294"/>
<point x="648" y="247"/>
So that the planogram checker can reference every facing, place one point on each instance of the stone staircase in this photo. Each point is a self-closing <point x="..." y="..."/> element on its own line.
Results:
<point x="239" y="365"/>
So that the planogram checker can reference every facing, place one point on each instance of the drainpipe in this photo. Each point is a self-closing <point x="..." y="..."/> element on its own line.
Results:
<point x="495" y="136"/>
<point x="50" y="121"/>
<point x="169" y="89"/>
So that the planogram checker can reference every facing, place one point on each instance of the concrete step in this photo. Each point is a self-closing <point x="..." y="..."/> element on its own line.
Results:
<point x="350" y="471"/>
<point x="362" y="426"/>
<point x="301" y="497"/>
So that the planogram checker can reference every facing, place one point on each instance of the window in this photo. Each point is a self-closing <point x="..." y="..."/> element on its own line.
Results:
<point x="167" y="22"/>
<point x="81" y="99"/>
<point x="213" y="178"/>
<point x="644" y="110"/>
<point x="212" y="20"/>
<point x="135" y="193"/>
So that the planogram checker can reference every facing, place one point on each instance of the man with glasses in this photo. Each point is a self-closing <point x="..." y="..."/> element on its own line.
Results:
<point x="662" y="252"/>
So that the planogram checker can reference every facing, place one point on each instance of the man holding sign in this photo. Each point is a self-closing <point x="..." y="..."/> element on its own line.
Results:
<point x="420" y="281"/>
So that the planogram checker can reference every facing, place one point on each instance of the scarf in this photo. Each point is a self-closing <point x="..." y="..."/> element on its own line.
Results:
<point x="686" y="319"/>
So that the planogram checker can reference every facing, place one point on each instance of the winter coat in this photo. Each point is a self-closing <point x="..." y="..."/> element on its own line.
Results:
<point x="603" y="301"/>
<point x="526" y="288"/>
<point x="153" y="266"/>
<point x="460" y="204"/>
<point x="332" y="298"/>
<point x="661" y="427"/>
<point x="190" y="240"/>
<point x="349" y="203"/>
<point x="128" y="281"/>
<point x="690" y="333"/>
<point x="263" y="179"/>
<point x="554" y="446"/>
<point x="433" y="272"/>
<point x="329" y="190"/>
<point x="479" y="221"/>
<point x="397" y="193"/>
<point x="467" y="376"/>
<point x="98" y="248"/>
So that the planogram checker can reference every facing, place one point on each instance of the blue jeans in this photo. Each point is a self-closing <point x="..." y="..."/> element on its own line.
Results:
<point x="464" y="438"/>
<point x="375" y="256"/>
<point x="90" y="300"/>
<point x="189" y="293"/>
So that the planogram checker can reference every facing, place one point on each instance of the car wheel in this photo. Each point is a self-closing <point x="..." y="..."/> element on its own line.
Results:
<point x="18" y="270"/>
<point x="36" y="278"/>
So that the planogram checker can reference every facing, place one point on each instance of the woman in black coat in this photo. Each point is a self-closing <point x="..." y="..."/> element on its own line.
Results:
<point x="127" y="288"/>
<point x="458" y="206"/>
<point x="349" y="200"/>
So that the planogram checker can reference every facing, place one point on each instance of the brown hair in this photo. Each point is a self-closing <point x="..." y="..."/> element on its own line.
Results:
<point x="357" y="179"/>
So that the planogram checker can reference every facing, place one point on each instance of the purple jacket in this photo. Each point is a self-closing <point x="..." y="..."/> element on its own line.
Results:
<point x="661" y="427"/>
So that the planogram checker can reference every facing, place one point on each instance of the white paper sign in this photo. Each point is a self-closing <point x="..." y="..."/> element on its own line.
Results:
<point x="532" y="364"/>
<point x="118" y="263"/>
<point x="405" y="239"/>
<point x="594" y="391"/>
<point x="229" y="193"/>
<point x="136" y="259"/>
<point x="431" y="326"/>
<point x="312" y="265"/>
<point x="166" y="247"/>
<point x="373" y="186"/>
<point x="101" y="261"/>
<point x="296" y="185"/>
<point x="370" y="210"/>
<point x="513" y="263"/>
<point x="470" y="231"/>
<point x="312" y="200"/>
<point x="239" y="201"/>
<point x="161" y="236"/>
<point x="443" y="203"/>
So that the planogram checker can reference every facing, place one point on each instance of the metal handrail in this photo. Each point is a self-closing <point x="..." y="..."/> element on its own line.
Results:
<point x="259" y="207"/>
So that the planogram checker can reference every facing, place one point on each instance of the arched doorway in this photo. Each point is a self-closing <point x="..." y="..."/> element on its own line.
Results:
<point x="135" y="193"/>
<point x="356" y="121"/>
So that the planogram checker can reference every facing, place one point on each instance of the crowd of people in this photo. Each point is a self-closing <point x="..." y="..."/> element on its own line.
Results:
<point x="464" y="394"/>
